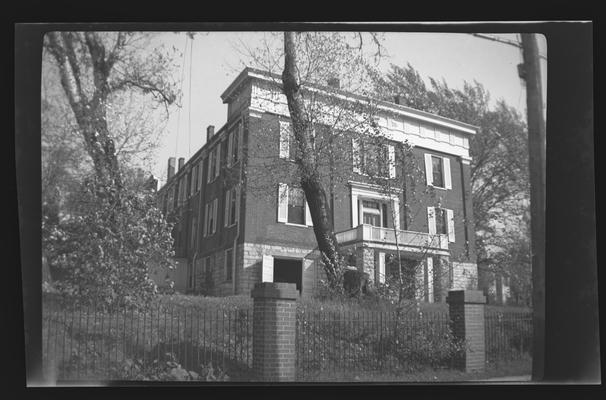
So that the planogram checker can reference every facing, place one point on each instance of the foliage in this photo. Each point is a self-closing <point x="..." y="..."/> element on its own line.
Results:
<point x="104" y="252"/>
<point x="167" y="369"/>
<point x="239" y="302"/>
<point x="339" y="339"/>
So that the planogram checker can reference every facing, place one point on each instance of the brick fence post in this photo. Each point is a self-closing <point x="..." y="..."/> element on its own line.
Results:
<point x="466" y="308"/>
<point x="274" y="322"/>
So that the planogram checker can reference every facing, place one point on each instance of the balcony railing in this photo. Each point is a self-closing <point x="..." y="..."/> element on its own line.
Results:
<point x="370" y="233"/>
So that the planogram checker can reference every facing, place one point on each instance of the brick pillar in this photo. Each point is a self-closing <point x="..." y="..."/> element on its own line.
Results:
<point x="466" y="309"/>
<point x="274" y="319"/>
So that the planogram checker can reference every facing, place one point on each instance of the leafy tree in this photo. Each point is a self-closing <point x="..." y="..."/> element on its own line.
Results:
<point x="96" y="70"/>
<point x="100" y="123"/>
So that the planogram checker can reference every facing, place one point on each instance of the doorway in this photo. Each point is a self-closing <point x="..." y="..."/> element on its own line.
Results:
<point x="288" y="271"/>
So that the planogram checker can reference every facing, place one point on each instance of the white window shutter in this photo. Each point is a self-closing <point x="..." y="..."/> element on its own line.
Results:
<point x="451" y="227"/>
<point x="267" y="269"/>
<point x="355" y="154"/>
<point x="428" y="169"/>
<point x="282" y="202"/>
<point x="218" y="160"/>
<point x="227" y="207"/>
<point x="431" y="220"/>
<point x="215" y="205"/>
<point x="230" y="144"/>
<point x="381" y="269"/>
<point x="392" y="161"/>
<point x="308" y="219"/>
<point x="354" y="210"/>
<point x="284" y="139"/>
<point x="447" y="177"/>
<point x="430" y="279"/>
<point x="211" y="156"/>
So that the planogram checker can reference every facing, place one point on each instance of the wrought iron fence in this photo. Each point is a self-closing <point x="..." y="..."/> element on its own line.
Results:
<point x="508" y="335"/>
<point x="333" y="343"/>
<point x="88" y="343"/>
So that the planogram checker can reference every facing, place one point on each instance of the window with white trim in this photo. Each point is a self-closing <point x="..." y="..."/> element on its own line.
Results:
<point x="200" y="174"/>
<point x="194" y="180"/>
<point x="374" y="159"/>
<point x="441" y="221"/>
<point x="437" y="171"/>
<point x="292" y="206"/>
<point x="210" y="211"/>
<point x="233" y="145"/>
<point x="374" y="212"/>
<point x="231" y="206"/>
<point x="214" y="163"/>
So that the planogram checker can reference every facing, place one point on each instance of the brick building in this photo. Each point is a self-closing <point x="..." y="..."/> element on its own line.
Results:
<point x="241" y="219"/>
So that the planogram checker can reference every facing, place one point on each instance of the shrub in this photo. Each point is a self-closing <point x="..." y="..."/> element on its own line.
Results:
<point x="104" y="253"/>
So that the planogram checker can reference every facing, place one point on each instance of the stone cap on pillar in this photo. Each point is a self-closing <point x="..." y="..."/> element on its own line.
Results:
<point x="466" y="297"/>
<point x="275" y="290"/>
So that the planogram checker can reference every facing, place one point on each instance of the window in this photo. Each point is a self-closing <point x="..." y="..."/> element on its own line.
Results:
<point x="374" y="159"/>
<point x="210" y="211"/>
<point x="200" y="174"/>
<point x="207" y="271"/>
<point x="194" y="223"/>
<point x="441" y="221"/>
<point x="437" y="171"/>
<point x="287" y="144"/>
<point x="231" y="206"/>
<point x="214" y="162"/>
<point x="236" y="144"/>
<point x="211" y="166"/>
<point x="296" y="206"/>
<point x="374" y="213"/>
<point x="189" y="185"/>
<point x="233" y="145"/>
<point x="194" y="179"/>
<point x="441" y="224"/>
<point x="292" y="206"/>
<point x="228" y="264"/>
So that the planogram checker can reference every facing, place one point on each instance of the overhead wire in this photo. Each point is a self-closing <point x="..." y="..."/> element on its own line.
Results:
<point x="180" y="91"/>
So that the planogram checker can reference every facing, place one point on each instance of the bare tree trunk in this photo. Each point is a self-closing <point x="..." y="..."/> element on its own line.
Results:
<point x="310" y="179"/>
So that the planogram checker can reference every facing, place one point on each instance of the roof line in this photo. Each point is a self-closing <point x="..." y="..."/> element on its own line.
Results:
<point x="250" y="73"/>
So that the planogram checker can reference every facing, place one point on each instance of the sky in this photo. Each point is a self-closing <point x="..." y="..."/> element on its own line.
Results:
<point x="215" y="59"/>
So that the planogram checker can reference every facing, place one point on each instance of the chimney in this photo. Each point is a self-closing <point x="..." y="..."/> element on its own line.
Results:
<point x="181" y="163"/>
<point x="334" y="83"/>
<point x="210" y="131"/>
<point x="397" y="99"/>
<point x="171" y="168"/>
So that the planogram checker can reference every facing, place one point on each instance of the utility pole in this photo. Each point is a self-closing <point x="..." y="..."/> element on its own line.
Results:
<point x="530" y="71"/>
